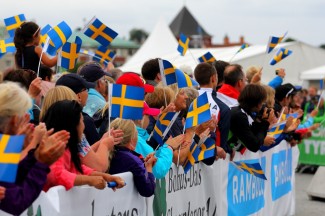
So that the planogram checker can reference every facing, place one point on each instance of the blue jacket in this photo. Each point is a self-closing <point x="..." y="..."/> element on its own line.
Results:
<point x="164" y="154"/>
<point x="277" y="81"/>
<point x="125" y="160"/>
<point x="94" y="103"/>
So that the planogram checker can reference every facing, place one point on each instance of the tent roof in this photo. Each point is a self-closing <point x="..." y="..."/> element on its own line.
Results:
<point x="313" y="74"/>
<point x="185" y="23"/>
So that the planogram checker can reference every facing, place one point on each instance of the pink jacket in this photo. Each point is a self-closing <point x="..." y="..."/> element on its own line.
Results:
<point x="63" y="172"/>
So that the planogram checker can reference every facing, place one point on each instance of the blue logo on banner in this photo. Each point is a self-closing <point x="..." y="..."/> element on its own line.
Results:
<point x="245" y="192"/>
<point x="281" y="173"/>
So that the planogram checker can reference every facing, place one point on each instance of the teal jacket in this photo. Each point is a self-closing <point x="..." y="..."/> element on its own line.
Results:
<point x="164" y="154"/>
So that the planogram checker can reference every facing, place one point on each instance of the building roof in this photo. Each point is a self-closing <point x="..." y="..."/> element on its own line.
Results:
<point x="185" y="23"/>
<point x="117" y="43"/>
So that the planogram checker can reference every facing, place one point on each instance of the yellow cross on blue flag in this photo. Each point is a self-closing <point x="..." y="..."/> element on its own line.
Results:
<point x="183" y="43"/>
<point x="59" y="35"/>
<point x="184" y="80"/>
<point x="167" y="71"/>
<point x="253" y="169"/>
<point x="199" y="152"/>
<point x="281" y="54"/>
<point x="14" y="22"/>
<point x="198" y="112"/>
<point x="7" y="46"/>
<point x="44" y="35"/>
<point x="207" y="57"/>
<point x="10" y="149"/>
<point x="98" y="31"/>
<point x="127" y="101"/>
<point x="276" y="130"/>
<point x="284" y="117"/>
<point x="104" y="55"/>
<point x="242" y="47"/>
<point x="159" y="131"/>
<point x="273" y="42"/>
<point x="70" y="54"/>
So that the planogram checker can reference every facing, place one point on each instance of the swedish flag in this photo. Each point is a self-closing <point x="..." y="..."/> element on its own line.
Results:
<point x="44" y="35"/>
<point x="276" y="130"/>
<point x="184" y="80"/>
<point x="104" y="55"/>
<point x="70" y="53"/>
<point x="281" y="54"/>
<point x="207" y="57"/>
<point x="198" y="112"/>
<point x="59" y="35"/>
<point x="159" y="131"/>
<point x="7" y="46"/>
<point x="253" y="169"/>
<point x="127" y="101"/>
<point x="167" y="71"/>
<point x="273" y="42"/>
<point x="100" y="32"/>
<point x="242" y="47"/>
<point x="284" y="117"/>
<point x="183" y="44"/>
<point x="14" y="22"/>
<point x="10" y="149"/>
<point x="199" y="152"/>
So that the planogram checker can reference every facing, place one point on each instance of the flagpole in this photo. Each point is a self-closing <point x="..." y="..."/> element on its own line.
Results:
<point x="110" y="89"/>
<point x="320" y="98"/>
<point x="196" y="61"/>
<point x="282" y="111"/>
<point x="39" y="63"/>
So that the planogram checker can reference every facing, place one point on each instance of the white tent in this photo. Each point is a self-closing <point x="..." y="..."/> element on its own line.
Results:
<point x="161" y="43"/>
<point x="313" y="74"/>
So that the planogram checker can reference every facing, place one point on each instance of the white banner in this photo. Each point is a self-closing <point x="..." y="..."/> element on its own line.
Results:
<point x="220" y="189"/>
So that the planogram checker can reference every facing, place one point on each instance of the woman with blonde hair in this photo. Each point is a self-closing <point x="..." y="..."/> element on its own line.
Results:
<point x="125" y="159"/>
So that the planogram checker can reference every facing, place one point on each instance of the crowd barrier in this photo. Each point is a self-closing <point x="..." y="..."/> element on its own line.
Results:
<point x="220" y="189"/>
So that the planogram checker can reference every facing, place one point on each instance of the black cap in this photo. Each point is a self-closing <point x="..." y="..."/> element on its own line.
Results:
<point x="284" y="91"/>
<point x="92" y="72"/>
<point x="75" y="82"/>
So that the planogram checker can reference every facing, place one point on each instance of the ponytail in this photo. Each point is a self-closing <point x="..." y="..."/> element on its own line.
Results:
<point x="24" y="35"/>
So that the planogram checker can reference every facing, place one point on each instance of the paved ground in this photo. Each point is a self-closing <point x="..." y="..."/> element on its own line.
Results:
<point x="304" y="205"/>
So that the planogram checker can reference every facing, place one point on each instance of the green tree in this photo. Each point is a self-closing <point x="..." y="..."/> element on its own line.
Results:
<point x="322" y="46"/>
<point x="138" y="35"/>
<point x="289" y="40"/>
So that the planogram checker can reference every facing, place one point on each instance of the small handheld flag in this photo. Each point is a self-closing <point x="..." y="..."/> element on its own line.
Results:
<point x="167" y="71"/>
<point x="98" y="31"/>
<point x="7" y="46"/>
<point x="184" y="80"/>
<point x="127" y="101"/>
<point x="59" y="35"/>
<point x="44" y="35"/>
<point x="207" y="57"/>
<point x="198" y="112"/>
<point x="242" y="47"/>
<point x="70" y="53"/>
<point x="276" y="130"/>
<point x="199" y="153"/>
<point x="254" y="169"/>
<point x="273" y="42"/>
<point x="162" y="124"/>
<point x="183" y="43"/>
<point x="281" y="54"/>
<point x="104" y="55"/>
<point x="14" y="22"/>
<point x="10" y="150"/>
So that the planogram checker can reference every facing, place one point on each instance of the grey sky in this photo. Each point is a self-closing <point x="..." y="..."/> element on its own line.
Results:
<point x="254" y="19"/>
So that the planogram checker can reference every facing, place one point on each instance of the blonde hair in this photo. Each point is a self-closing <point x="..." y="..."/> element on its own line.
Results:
<point x="129" y="130"/>
<point x="270" y="95"/>
<point x="156" y="99"/>
<point x="56" y="94"/>
<point x="14" y="100"/>
<point x="251" y="71"/>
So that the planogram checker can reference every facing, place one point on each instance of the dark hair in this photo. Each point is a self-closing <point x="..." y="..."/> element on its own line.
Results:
<point x="203" y="73"/>
<point x="65" y="115"/>
<point x="251" y="96"/>
<point x="45" y="71"/>
<point x="24" y="35"/>
<point x="150" y="69"/>
<point x="22" y="76"/>
<point x="233" y="73"/>
<point x="220" y="66"/>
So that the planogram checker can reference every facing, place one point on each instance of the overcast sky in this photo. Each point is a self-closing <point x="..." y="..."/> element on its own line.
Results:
<point x="256" y="20"/>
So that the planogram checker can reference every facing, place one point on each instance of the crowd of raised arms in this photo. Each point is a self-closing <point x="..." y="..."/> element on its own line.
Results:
<point x="71" y="140"/>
